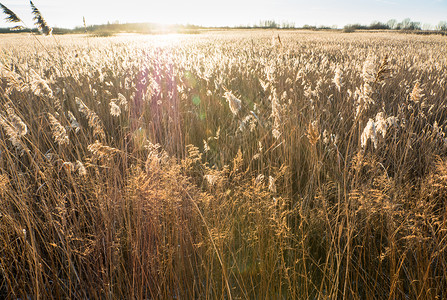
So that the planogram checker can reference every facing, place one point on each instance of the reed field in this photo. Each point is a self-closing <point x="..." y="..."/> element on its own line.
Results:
<point x="232" y="164"/>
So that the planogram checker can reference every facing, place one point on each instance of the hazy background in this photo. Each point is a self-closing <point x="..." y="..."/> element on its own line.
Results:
<point x="62" y="13"/>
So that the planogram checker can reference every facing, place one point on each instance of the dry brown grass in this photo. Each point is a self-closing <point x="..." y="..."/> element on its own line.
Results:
<point x="221" y="167"/>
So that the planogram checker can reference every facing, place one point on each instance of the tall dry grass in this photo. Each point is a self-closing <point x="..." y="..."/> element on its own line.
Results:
<point x="221" y="166"/>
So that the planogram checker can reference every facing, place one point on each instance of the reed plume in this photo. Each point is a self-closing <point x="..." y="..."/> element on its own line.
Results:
<point x="11" y="16"/>
<point x="115" y="110"/>
<point x="384" y="70"/>
<point x="337" y="78"/>
<point x="59" y="133"/>
<point x="416" y="94"/>
<point x="15" y="128"/>
<point x="39" y="86"/>
<point x="369" y="132"/>
<point x="73" y="122"/>
<point x="85" y="25"/>
<point x="93" y="120"/>
<point x="79" y="166"/>
<point x="102" y="151"/>
<point x="233" y="102"/>
<point x="313" y="133"/>
<point x="40" y="21"/>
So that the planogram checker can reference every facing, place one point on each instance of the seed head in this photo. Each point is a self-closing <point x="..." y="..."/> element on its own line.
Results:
<point x="233" y="102"/>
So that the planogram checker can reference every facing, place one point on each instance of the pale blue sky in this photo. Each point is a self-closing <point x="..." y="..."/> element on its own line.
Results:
<point x="64" y="13"/>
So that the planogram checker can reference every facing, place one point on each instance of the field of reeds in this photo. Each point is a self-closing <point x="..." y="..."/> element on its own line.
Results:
<point x="223" y="165"/>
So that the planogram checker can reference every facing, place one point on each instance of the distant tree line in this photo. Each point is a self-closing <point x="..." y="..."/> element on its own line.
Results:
<point x="285" y="25"/>
<point x="406" y="24"/>
<point x="274" y="24"/>
<point x="115" y="27"/>
<point x="393" y="24"/>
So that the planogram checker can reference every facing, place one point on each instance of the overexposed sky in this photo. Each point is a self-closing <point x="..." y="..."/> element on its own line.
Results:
<point x="64" y="13"/>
